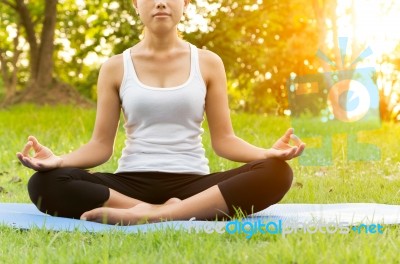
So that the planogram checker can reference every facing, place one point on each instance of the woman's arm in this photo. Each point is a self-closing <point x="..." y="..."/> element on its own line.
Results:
<point x="100" y="147"/>
<point x="223" y="139"/>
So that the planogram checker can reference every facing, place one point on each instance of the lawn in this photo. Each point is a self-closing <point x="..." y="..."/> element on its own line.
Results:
<point x="65" y="128"/>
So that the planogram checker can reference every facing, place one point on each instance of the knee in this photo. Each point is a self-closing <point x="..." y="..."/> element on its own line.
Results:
<point x="37" y="185"/>
<point x="284" y="179"/>
<point x="38" y="188"/>
<point x="281" y="173"/>
<point x="44" y="186"/>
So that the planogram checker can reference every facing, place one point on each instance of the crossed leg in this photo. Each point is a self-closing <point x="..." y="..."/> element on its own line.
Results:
<point x="207" y="204"/>
<point x="119" y="200"/>
<point x="70" y="192"/>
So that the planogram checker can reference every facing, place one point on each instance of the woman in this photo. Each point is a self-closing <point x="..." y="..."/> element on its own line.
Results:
<point x="163" y="85"/>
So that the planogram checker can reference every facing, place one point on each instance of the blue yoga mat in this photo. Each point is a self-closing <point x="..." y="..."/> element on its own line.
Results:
<point x="26" y="216"/>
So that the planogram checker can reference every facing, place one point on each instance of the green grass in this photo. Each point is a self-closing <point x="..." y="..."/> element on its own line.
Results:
<point x="65" y="128"/>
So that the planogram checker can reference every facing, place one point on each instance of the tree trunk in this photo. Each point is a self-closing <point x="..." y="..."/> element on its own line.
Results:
<point x="41" y="87"/>
<point x="41" y="53"/>
<point x="29" y="27"/>
<point x="45" y="63"/>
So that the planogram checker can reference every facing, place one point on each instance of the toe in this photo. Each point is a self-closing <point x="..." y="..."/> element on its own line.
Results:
<point x="173" y="200"/>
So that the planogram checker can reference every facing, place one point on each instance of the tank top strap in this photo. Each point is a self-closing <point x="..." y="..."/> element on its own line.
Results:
<point x="194" y="60"/>
<point x="195" y="63"/>
<point x="128" y="69"/>
<point x="127" y="60"/>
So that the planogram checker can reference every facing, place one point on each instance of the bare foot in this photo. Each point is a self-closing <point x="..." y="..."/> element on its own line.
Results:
<point x="140" y="213"/>
<point x="204" y="205"/>
<point x="172" y="201"/>
<point x="135" y="215"/>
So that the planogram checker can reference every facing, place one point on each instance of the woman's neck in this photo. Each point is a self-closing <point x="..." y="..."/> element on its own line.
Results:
<point x="161" y="42"/>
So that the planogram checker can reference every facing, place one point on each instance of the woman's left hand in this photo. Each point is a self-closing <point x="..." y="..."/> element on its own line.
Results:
<point x="283" y="150"/>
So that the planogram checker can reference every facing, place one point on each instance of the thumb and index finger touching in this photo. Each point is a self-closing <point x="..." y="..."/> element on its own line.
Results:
<point x="286" y="137"/>
<point x="289" y="135"/>
<point x="32" y="143"/>
<point x="35" y="143"/>
<point x="300" y="145"/>
<point x="24" y="156"/>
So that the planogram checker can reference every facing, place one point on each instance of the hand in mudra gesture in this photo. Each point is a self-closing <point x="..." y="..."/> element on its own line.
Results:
<point x="43" y="158"/>
<point x="282" y="148"/>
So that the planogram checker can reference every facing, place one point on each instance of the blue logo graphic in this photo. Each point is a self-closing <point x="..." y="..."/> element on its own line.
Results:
<point x="264" y="226"/>
<point x="368" y="229"/>
<point x="337" y="102"/>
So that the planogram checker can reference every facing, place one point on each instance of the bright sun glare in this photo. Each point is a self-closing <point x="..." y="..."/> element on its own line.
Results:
<point x="374" y="23"/>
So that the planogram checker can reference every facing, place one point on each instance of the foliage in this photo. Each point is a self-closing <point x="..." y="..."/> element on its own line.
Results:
<point x="98" y="29"/>
<point x="259" y="48"/>
<point x="10" y="50"/>
<point x="388" y="80"/>
<point x="262" y="43"/>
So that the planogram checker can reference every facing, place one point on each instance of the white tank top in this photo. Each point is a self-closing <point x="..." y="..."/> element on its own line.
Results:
<point x="163" y="125"/>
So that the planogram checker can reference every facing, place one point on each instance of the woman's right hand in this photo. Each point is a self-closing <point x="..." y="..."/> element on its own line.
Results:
<point x="43" y="159"/>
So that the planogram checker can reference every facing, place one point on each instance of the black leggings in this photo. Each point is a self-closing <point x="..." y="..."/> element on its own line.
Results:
<point x="69" y="192"/>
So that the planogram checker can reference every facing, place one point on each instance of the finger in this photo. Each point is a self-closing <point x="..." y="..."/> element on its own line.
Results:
<point x="21" y="159"/>
<point x="287" y="135"/>
<point x="19" y="155"/>
<point x="35" y="143"/>
<point x="27" y="148"/>
<point x="289" y="153"/>
<point x="25" y="162"/>
<point x="299" y="150"/>
<point x="33" y="139"/>
<point x="296" y="139"/>
<point x="28" y="162"/>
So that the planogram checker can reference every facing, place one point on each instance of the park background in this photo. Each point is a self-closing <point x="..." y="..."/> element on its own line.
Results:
<point x="50" y="55"/>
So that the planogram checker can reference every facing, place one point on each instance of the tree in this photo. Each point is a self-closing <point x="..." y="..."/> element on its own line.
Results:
<point x="86" y="32"/>
<point x="261" y="43"/>
<point x="41" y="46"/>
<point x="58" y="39"/>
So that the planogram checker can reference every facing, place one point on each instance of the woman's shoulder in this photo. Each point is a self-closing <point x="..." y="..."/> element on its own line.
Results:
<point x="209" y="61"/>
<point x="211" y="66"/>
<point x="113" y="69"/>
<point x="209" y="56"/>
<point x="113" y="62"/>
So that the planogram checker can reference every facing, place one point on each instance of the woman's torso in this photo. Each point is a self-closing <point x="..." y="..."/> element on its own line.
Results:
<point x="163" y="100"/>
